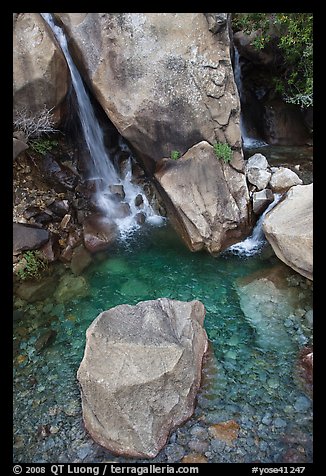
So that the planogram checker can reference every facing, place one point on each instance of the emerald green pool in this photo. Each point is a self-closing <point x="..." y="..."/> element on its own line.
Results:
<point x="251" y="374"/>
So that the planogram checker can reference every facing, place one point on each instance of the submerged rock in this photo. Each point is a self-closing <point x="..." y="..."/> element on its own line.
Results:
<point x="71" y="287"/>
<point x="140" y="373"/>
<point x="207" y="199"/>
<point x="32" y="291"/>
<point x="261" y="200"/>
<point x="267" y="301"/>
<point x="289" y="229"/>
<point x="226" y="431"/>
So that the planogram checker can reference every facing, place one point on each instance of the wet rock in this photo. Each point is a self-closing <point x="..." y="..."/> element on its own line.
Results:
<point x="118" y="191"/>
<point x="266" y="304"/>
<point x="28" y="237"/>
<point x="302" y="404"/>
<point x="43" y="431"/>
<point x="99" y="233"/>
<point x="226" y="431"/>
<point x="154" y="352"/>
<point x="174" y="453"/>
<point x="194" y="458"/>
<point x="293" y="456"/>
<point x="261" y="200"/>
<point x="122" y="210"/>
<point x="279" y="423"/>
<point x="198" y="446"/>
<point x="267" y="418"/>
<point x="71" y="287"/>
<point x="45" y="340"/>
<point x="32" y="291"/>
<point x="81" y="258"/>
<point x="140" y="218"/>
<point x="139" y="200"/>
<point x="199" y="432"/>
<point x="309" y="317"/>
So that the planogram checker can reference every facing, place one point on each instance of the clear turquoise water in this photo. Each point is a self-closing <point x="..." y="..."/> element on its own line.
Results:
<point x="251" y="373"/>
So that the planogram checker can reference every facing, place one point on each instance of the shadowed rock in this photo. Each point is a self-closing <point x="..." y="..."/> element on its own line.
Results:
<point x="27" y="237"/>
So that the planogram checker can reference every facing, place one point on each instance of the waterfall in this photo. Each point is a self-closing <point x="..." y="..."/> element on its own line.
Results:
<point x="248" y="142"/>
<point x="256" y="240"/>
<point x="103" y="171"/>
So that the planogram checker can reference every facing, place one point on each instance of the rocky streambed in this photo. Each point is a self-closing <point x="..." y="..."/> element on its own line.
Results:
<point x="255" y="400"/>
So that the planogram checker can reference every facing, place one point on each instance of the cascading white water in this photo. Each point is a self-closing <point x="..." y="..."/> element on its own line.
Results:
<point x="248" y="142"/>
<point x="256" y="240"/>
<point x="103" y="171"/>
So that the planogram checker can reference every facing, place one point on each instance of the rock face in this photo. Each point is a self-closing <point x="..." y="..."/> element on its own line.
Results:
<point x="208" y="198"/>
<point x="165" y="80"/>
<point x="40" y="73"/>
<point x="289" y="229"/>
<point x="140" y="373"/>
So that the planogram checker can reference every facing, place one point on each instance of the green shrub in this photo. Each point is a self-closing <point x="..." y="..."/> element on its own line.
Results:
<point x="223" y="151"/>
<point x="42" y="146"/>
<point x="175" y="155"/>
<point x="32" y="266"/>
<point x="291" y="36"/>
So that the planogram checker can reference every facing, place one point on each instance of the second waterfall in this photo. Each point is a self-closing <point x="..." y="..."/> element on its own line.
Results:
<point x="104" y="174"/>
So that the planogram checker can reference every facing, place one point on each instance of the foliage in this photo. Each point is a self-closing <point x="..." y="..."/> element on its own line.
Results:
<point x="175" y="155"/>
<point x="223" y="151"/>
<point x="292" y="33"/>
<point x="42" y="146"/>
<point x="32" y="266"/>
<point x="34" y="125"/>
